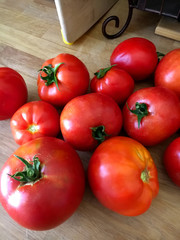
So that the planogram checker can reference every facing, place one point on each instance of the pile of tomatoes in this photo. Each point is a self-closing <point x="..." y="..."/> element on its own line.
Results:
<point x="42" y="183"/>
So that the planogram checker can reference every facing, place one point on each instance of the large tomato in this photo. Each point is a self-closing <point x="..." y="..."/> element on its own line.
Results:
<point x="137" y="56"/>
<point x="88" y="120"/>
<point x="172" y="160"/>
<point x="34" y="119"/>
<point x="114" y="82"/>
<point x="62" y="78"/>
<point x="51" y="187"/>
<point x="167" y="73"/>
<point x="123" y="176"/>
<point x="151" y="115"/>
<point x="13" y="92"/>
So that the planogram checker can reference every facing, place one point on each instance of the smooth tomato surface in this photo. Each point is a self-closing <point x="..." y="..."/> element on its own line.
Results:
<point x="123" y="176"/>
<point x="13" y="92"/>
<point x="90" y="119"/>
<point x="160" y="111"/>
<point x="69" y="80"/>
<point x="34" y="119"/>
<point x="116" y="83"/>
<point x="137" y="56"/>
<point x="49" y="201"/>
<point x="167" y="73"/>
<point x="172" y="160"/>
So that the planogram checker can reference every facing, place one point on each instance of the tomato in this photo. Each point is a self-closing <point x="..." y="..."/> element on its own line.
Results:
<point x="34" y="119"/>
<point x="137" y="56"/>
<point x="51" y="187"/>
<point x="123" y="176"/>
<point x="88" y="120"/>
<point x="13" y="92"/>
<point x="62" y="78"/>
<point x="151" y="115"/>
<point x="171" y="160"/>
<point x="114" y="82"/>
<point x="167" y="73"/>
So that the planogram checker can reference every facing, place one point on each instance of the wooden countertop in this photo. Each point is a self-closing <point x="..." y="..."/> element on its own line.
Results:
<point x="30" y="34"/>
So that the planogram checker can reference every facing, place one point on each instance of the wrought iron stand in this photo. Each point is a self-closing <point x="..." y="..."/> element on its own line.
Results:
<point x="169" y="8"/>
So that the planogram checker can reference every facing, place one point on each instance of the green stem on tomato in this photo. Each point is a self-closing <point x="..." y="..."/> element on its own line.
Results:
<point x="31" y="172"/>
<point x="140" y="111"/>
<point x="102" y="72"/>
<point x="50" y="74"/>
<point x="99" y="133"/>
<point x="145" y="175"/>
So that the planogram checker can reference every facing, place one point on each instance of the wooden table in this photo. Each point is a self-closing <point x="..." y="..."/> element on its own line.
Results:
<point x="30" y="34"/>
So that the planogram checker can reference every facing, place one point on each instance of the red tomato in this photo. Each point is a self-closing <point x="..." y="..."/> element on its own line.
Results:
<point x="167" y="73"/>
<point x="123" y="176"/>
<point x="33" y="120"/>
<point x="50" y="192"/>
<point x="151" y="115"/>
<point x="137" y="56"/>
<point x="172" y="160"/>
<point x="62" y="78"/>
<point x="90" y="119"/>
<point x="13" y="92"/>
<point x="113" y="82"/>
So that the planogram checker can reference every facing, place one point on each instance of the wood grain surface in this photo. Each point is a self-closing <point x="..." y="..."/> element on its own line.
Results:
<point x="30" y="34"/>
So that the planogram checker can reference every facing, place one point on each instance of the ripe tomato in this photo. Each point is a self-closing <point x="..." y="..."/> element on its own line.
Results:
<point x="90" y="119"/>
<point x="114" y="82"/>
<point x="167" y="73"/>
<point x="137" y="56"/>
<point x="13" y="92"/>
<point x="52" y="183"/>
<point x="172" y="160"/>
<point x="123" y="176"/>
<point x="151" y="115"/>
<point x="34" y="119"/>
<point x="62" y="78"/>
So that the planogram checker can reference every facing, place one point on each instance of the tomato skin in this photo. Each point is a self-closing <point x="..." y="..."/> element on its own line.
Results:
<point x="171" y="160"/>
<point x="163" y="117"/>
<point x="83" y="113"/>
<point x="137" y="56"/>
<point x="72" y="76"/>
<point x="34" y="119"/>
<point x="13" y="92"/>
<point x="116" y="83"/>
<point x="167" y="73"/>
<point x="55" y="196"/>
<point x="115" y="176"/>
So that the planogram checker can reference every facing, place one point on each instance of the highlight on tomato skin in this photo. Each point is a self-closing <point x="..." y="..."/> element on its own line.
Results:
<point x="123" y="176"/>
<point x="50" y="185"/>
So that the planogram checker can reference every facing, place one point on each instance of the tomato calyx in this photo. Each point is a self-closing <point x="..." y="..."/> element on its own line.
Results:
<point x="51" y="74"/>
<point x="102" y="72"/>
<point x="145" y="175"/>
<point x="160" y="56"/>
<point x="33" y="128"/>
<point x="31" y="172"/>
<point x="140" y="111"/>
<point x="99" y="133"/>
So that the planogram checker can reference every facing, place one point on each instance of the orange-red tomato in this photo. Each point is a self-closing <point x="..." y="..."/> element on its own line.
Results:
<point x="123" y="176"/>
<point x="34" y="119"/>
